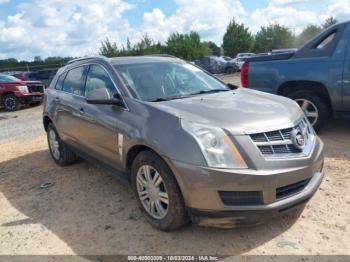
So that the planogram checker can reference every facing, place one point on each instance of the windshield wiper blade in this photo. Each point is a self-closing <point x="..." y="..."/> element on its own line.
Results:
<point x="161" y="99"/>
<point x="210" y="91"/>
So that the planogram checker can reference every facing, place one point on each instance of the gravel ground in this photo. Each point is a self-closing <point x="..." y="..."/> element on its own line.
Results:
<point x="87" y="212"/>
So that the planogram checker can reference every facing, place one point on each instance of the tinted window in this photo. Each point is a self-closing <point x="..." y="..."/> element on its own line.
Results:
<point x="74" y="82"/>
<point x="326" y="41"/>
<point x="98" y="77"/>
<point x="59" y="83"/>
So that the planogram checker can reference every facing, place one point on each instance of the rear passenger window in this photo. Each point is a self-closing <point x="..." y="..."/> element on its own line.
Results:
<point x="59" y="83"/>
<point x="98" y="77"/>
<point x="326" y="41"/>
<point x="74" y="82"/>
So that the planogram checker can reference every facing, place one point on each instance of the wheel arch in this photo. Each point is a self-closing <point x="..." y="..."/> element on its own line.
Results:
<point x="46" y="121"/>
<point x="305" y="86"/>
<point x="137" y="149"/>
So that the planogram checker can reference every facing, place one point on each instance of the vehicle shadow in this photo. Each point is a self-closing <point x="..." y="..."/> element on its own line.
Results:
<point x="95" y="214"/>
<point x="335" y="136"/>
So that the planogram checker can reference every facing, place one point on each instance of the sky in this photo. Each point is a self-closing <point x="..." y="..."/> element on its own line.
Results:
<point x="45" y="28"/>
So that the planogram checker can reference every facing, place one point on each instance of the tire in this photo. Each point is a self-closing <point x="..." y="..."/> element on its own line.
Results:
<point x="176" y="213"/>
<point x="11" y="103"/>
<point x="65" y="156"/>
<point x="230" y="70"/>
<point x="323" y="109"/>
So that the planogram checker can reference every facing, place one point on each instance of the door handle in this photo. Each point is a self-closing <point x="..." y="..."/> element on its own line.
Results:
<point x="81" y="111"/>
<point x="57" y="99"/>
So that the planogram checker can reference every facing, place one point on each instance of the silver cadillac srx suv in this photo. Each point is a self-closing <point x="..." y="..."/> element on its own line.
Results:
<point x="192" y="147"/>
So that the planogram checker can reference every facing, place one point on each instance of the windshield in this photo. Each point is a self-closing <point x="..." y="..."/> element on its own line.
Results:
<point x="7" y="78"/>
<point x="167" y="80"/>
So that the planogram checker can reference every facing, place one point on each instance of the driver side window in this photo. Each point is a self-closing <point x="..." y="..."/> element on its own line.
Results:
<point x="97" y="78"/>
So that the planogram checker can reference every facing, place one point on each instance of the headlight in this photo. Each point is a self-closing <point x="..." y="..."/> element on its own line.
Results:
<point x="217" y="148"/>
<point x="23" y="89"/>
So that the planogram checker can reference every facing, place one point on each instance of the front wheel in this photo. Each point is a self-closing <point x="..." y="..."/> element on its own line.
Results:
<point x="157" y="192"/>
<point x="11" y="103"/>
<point x="315" y="107"/>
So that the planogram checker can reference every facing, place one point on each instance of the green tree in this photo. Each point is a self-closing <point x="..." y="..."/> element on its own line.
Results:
<point x="213" y="48"/>
<point x="237" y="39"/>
<point x="329" y="22"/>
<point x="109" y="49"/>
<point x="273" y="37"/>
<point x="308" y="33"/>
<point x="186" y="46"/>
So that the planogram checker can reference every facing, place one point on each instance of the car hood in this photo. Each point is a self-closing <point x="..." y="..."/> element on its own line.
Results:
<point x="240" y="111"/>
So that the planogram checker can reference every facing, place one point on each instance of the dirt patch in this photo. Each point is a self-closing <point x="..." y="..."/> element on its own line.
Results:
<point x="86" y="211"/>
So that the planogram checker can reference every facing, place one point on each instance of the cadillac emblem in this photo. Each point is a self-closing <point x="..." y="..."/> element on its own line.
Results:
<point x="298" y="139"/>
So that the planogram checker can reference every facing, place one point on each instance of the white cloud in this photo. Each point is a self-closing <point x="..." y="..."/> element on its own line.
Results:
<point x="287" y="2"/>
<point x="76" y="28"/>
<point x="209" y="18"/>
<point x="4" y="1"/>
<point x="63" y="27"/>
<point x="295" y="19"/>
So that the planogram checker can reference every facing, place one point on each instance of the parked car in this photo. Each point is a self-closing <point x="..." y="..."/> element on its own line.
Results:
<point x="216" y="65"/>
<point x="46" y="75"/>
<point x="191" y="147"/>
<point x="14" y="92"/>
<point x="25" y="76"/>
<point x="317" y="76"/>
<point x="240" y="55"/>
<point x="226" y="58"/>
<point x="239" y="61"/>
<point x="285" y="50"/>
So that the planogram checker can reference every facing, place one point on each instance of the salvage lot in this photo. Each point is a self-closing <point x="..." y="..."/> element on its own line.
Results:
<point x="87" y="211"/>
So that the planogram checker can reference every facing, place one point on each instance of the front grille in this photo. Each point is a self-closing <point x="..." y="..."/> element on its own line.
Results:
<point x="35" y="88"/>
<point x="289" y="190"/>
<point x="241" y="198"/>
<point x="279" y="142"/>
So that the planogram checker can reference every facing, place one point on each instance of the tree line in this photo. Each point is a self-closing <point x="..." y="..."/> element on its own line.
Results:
<point x="237" y="39"/>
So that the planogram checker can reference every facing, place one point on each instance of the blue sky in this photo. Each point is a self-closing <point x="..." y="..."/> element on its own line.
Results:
<point x="76" y="27"/>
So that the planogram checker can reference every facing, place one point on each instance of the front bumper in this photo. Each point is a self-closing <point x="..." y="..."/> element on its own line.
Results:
<point x="201" y="189"/>
<point x="29" y="98"/>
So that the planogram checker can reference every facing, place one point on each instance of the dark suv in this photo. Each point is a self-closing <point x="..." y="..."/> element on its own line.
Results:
<point x="191" y="147"/>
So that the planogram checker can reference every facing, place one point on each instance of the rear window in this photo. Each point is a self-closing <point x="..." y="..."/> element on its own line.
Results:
<point x="326" y="41"/>
<point x="59" y="83"/>
<point x="74" y="81"/>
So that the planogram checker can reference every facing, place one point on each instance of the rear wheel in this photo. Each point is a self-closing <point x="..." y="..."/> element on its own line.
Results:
<point x="315" y="107"/>
<point x="157" y="192"/>
<point x="230" y="70"/>
<point x="59" y="151"/>
<point x="11" y="102"/>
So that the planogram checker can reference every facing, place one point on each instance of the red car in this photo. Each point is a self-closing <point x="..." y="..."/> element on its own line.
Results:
<point x="14" y="92"/>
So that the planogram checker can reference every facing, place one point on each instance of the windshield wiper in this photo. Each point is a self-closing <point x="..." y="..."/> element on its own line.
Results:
<point x="209" y="91"/>
<point x="161" y="99"/>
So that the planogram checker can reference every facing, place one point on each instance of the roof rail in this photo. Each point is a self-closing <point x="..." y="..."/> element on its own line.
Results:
<point x="85" y="58"/>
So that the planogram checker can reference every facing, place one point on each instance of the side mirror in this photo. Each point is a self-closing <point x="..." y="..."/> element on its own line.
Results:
<point x="101" y="96"/>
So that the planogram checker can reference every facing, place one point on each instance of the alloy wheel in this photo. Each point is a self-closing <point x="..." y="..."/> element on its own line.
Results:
<point x="309" y="108"/>
<point x="152" y="192"/>
<point x="10" y="103"/>
<point x="54" y="145"/>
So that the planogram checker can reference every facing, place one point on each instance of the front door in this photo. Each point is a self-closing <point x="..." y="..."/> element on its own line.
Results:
<point x="101" y="129"/>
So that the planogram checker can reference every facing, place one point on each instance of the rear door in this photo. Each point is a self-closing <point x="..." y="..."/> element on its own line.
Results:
<point x="69" y="102"/>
